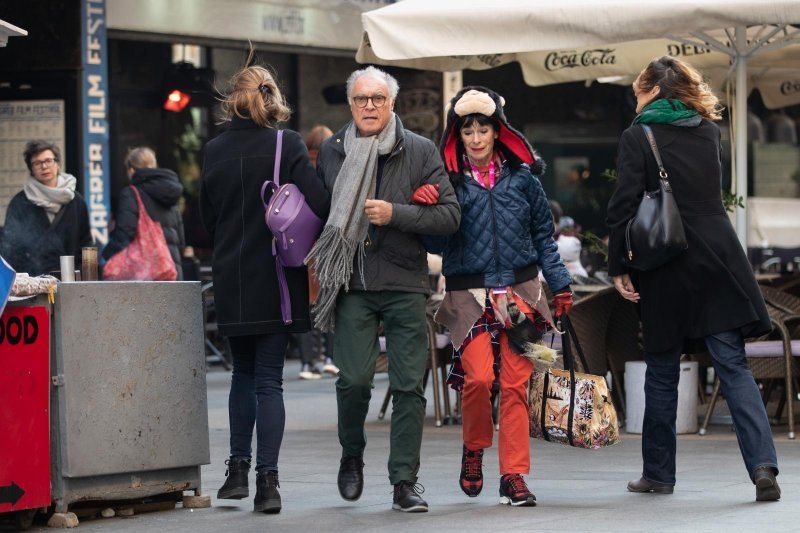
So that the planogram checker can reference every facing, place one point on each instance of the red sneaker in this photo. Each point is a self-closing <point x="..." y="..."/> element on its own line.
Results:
<point x="514" y="491"/>
<point x="471" y="478"/>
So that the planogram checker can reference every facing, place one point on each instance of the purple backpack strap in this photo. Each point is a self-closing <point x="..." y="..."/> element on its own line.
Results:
<point x="283" y="286"/>
<point x="276" y="173"/>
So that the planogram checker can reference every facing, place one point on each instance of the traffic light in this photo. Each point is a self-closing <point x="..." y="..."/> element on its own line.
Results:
<point x="176" y="100"/>
<point x="184" y="83"/>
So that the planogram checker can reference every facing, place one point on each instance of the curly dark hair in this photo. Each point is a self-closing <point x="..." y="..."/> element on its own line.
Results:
<point x="36" y="147"/>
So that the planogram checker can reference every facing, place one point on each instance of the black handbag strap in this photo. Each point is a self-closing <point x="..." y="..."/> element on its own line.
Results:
<point x="543" y="414"/>
<point x="662" y="172"/>
<point x="569" y="364"/>
<point x="569" y="329"/>
<point x="58" y="217"/>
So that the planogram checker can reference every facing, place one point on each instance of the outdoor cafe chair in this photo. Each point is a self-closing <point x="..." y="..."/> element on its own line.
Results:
<point x="772" y="358"/>
<point x="439" y="356"/>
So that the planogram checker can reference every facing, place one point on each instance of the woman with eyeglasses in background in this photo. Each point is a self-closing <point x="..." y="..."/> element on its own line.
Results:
<point x="48" y="218"/>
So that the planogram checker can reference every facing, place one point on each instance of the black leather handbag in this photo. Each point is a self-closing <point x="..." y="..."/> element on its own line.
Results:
<point x="655" y="235"/>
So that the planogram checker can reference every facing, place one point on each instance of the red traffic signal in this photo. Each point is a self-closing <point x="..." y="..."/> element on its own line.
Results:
<point x="176" y="100"/>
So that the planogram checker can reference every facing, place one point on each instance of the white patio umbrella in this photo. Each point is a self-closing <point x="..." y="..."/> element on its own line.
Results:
<point x="9" y="30"/>
<point x="569" y="40"/>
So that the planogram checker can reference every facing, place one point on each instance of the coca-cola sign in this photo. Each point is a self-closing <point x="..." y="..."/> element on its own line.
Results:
<point x="790" y="87"/>
<point x="577" y="58"/>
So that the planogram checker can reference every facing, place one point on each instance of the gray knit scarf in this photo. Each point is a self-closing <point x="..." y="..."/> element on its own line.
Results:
<point x="343" y="237"/>
<point x="51" y="199"/>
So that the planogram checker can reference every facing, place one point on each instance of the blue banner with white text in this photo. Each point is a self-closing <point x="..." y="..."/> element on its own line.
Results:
<point x="94" y="115"/>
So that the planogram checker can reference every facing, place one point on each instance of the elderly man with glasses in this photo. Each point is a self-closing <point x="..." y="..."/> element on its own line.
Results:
<point x="388" y="187"/>
<point x="48" y="218"/>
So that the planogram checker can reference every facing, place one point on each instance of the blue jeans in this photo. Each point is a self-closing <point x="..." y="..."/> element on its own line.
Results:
<point x="256" y="397"/>
<point x="741" y="393"/>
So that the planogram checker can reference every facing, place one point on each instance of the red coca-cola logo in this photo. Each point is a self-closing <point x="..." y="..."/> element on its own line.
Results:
<point x="577" y="58"/>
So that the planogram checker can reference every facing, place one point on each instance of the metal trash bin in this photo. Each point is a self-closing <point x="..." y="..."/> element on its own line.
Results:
<point x="687" y="397"/>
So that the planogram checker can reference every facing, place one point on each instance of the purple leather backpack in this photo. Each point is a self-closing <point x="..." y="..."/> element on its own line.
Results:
<point x="294" y="227"/>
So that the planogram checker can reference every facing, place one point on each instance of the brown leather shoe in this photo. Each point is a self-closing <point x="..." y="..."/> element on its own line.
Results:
<point x="645" y="485"/>
<point x="767" y="489"/>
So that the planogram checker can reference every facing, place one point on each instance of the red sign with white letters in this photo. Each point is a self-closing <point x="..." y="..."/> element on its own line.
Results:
<point x="24" y="408"/>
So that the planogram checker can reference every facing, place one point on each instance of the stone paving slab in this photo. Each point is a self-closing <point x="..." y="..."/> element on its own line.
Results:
<point x="577" y="490"/>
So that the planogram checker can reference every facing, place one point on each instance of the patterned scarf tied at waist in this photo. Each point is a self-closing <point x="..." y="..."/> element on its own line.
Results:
<point x="342" y="239"/>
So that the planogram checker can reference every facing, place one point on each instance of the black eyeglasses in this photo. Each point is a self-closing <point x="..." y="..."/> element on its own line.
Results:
<point x="378" y="100"/>
<point x="43" y="162"/>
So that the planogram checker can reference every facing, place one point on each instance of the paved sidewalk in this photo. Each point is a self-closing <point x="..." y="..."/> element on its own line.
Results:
<point x="577" y="490"/>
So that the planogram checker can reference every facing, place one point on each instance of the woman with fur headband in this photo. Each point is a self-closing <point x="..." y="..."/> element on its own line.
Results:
<point x="495" y="307"/>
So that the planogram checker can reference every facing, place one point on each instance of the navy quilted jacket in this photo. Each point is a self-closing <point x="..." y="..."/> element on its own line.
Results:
<point x="505" y="233"/>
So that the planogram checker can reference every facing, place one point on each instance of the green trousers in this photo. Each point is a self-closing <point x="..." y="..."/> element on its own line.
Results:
<point x="358" y="314"/>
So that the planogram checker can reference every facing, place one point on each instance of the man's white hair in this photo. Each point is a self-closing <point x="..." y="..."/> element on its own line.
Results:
<point x="376" y="73"/>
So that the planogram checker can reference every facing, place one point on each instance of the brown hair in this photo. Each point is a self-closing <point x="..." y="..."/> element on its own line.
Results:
<point x="679" y="81"/>
<point x="316" y="135"/>
<point x="37" y="146"/>
<point x="140" y="157"/>
<point x="253" y="93"/>
<point x="314" y="140"/>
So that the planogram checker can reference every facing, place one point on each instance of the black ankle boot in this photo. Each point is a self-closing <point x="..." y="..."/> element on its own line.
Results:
<point x="268" y="499"/>
<point x="235" y="486"/>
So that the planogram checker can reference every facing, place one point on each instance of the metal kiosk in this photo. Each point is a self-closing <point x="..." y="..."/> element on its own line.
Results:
<point x="128" y="406"/>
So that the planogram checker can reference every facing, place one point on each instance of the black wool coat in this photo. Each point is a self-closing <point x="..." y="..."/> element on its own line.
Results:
<point x="32" y="244"/>
<point x="160" y="190"/>
<point x="709" y="288"/>
<point x="236" y="164"/>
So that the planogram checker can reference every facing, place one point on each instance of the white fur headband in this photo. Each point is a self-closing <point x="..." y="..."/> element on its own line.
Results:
<point x="474" y="101"/>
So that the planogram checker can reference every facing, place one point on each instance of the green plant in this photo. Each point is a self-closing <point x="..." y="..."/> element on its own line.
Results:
<point x="610" y="174"/>
<point x="731" y="201"/>
<point x="596" y="244"/>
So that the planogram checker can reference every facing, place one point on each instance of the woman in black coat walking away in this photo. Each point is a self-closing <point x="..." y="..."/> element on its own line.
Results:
<point x="247" y="300"/>
<point x="160" y="190"/>
<point x="707" y="293"/>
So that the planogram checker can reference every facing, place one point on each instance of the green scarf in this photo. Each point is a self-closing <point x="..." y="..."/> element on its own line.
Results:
<point x="663" y="111"/>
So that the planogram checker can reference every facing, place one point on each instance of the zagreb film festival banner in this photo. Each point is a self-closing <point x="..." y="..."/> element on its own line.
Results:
<point x="96" y="165"/>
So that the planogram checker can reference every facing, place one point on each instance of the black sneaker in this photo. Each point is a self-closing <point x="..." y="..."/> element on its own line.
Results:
<point x="471" y="478"/>
<point x="767" y="489"/>
<point x="268" y="499"/>
<point x="351" y="477"/>
<point x="235" y="486"/>
<point x="407" y="498"/>
<point x="514" y="491"/>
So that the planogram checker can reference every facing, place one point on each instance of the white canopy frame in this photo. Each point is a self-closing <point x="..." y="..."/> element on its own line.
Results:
<point x="740" y="51"/>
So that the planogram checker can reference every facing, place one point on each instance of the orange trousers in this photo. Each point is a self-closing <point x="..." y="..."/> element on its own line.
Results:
<point x="515" y="372"/>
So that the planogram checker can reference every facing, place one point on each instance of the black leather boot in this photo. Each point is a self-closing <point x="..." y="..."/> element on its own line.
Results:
<point x="235" y="486"/>
<point x="351" y="477"/>
<point x="268" y="499"/>
<point x="767" y="489"/>
<point x="645" y="485"/>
